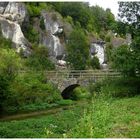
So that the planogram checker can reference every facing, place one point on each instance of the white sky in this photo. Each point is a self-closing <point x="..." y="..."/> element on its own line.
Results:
<point x="112" y="4"/>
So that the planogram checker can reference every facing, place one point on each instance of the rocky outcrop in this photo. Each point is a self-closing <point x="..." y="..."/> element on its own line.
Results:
<point x="13" y="19"/>
<point x="97" y="49"/>
<point x="12" y="15"/>
<point x="54" y="30"/>
<point x="116" y="42"/>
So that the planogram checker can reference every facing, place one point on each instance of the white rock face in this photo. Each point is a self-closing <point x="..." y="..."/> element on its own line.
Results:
<point x="52" y="41"/>
<point x="16" y="10"/>
<point x="11" y="18"/>
<point x="98" y="50"/>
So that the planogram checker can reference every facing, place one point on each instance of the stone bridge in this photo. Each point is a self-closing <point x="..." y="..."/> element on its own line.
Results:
<point x="66" y="81"/>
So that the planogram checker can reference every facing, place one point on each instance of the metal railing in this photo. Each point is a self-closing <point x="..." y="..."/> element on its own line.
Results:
<point x="82" y="74"/>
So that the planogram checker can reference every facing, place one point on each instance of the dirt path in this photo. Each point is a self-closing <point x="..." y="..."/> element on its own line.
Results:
<point x="22" y="116"/>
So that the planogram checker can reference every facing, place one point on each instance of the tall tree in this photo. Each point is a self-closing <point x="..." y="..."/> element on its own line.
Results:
<point x="129" y="12"/>
<point x="78" y="50"/>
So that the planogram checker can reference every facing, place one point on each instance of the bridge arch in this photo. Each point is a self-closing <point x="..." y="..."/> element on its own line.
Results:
<point x="67" y="92"/>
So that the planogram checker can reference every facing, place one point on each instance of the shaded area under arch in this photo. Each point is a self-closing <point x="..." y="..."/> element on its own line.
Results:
<point x="66" y="93"/>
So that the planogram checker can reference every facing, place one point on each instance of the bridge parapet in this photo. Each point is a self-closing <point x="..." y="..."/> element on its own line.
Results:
<point x="65" y="78"/>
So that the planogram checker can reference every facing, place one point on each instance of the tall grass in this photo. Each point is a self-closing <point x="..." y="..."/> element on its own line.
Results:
<point x="117" y="118"/>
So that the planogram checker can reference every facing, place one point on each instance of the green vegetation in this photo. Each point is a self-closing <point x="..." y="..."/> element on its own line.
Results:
<point x="25" y="90"/>
<point x="124" y="60"/>
<point x="118" y="87"/>
<point x="109" y="108"/>
<point x="80" y="93"/>
<point x="103" y="118"/>
<point x="94" y="62"/>
<point x="40" y="127"/>
<point x="110" y="118"/>
<point x="78" y="51"/>
<point x="39" y="60"/>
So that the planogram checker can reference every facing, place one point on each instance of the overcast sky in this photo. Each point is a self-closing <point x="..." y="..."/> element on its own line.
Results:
<point x="112" y="4"/>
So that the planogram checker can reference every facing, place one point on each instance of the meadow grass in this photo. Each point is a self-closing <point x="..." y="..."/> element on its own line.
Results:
<point x="117" y="118"/>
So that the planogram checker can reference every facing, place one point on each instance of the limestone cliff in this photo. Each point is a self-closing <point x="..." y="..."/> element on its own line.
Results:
<point x="15" y="20"/>
<point x="12" y="15"/>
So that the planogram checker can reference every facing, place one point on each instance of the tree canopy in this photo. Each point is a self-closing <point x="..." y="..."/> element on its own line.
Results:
<point x="78" y="50"/>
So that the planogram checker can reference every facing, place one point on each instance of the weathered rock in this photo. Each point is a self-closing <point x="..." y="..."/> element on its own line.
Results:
<point x="53" y="22"/>
<point x="116" y="42"/>
<point x="17" y="11"/>
<point x="97" y="49"/>
<point x="12" y="14"/>
<point x="3" y="7"/>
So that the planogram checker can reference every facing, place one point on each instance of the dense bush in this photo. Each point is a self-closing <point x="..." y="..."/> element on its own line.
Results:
<point x="123" y="59"/>
<point x="31" y="34"/>
<point x="9" y="64"/>
<point x="94" y="62"/>
<point x="108" y="52"/>
<point x="78" y="50"/>
<point x="39" y="60"/>
<point x="79" y="93"/>
<point x="5" y="43"/>
<point x="119" y="87"/>
<point x="29" y="88"/>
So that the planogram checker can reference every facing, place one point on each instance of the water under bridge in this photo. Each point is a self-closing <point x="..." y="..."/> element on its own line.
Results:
<point x="67" y="80"/>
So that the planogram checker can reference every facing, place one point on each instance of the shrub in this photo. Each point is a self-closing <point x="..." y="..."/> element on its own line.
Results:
<point x="32" y="34"/>
<point x="95" y="63"/>
<point x="94" y="122"/>
<point x="42" y="24"/>
<point x="123" y="59"/>
<point x="79" y="93"/>
<point x="108" y="38"/>
<point x="29" y="88"/>
<point x="65" y="102"/>
<point x="5" y="43"/>
<point x="9" y="64"/>
<point x="39" y="59"/>
<point x="119" y="87"/>
<point x="77" y="48"/>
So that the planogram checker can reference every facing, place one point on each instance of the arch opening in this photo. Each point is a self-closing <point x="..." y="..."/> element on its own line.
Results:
<point x="67" y="92"/>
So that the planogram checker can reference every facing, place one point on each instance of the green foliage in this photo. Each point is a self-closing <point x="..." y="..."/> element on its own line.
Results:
<point x="33" y="9"/>
<point x="119" y="87"/>
<point x="103" y="20"/>
<point x="69" y="19"/>
<point x="42" y="24"/>
<point x="94" y="123"/>
<point x="108" y="38"/>
<point x="101" y="120"/>
<point x="108" y="51"/>
<point x="129" y="18"/>
<point x="79" y="93"/>
<point x="90" y="18"/>
<point x="32" y="34"/>
<point x="9" y="64"/>
<point x="65" y="102"/>
<point x="94" y="62"/>
<point x="136" y="53"/>
<point x="124" y="60"/>
<point x="30" y="88"/>
<point x="48" y="126"/>
<point x="75" y="10"/>
<point x="77" y="50"/>
<point x="39" y="59"/>
<point x="121" y="28"/>
<point x="5" y="43"/>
